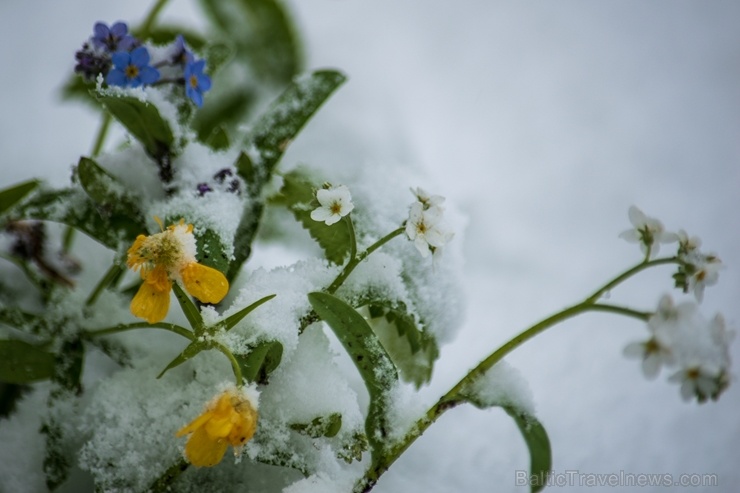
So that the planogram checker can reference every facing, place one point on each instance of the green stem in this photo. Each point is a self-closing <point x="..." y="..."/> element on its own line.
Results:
<point x="108" y="278"/>
<point x="142" y="325"/>
<point x="352" y="237"/>
<point x="629" y="273"/>
<point x="355" y="260"/>
<point x="102" y="133"/>
<point x="234" y="363"/>
<point x="151" y="18"/>
<point x="453" y="397"/>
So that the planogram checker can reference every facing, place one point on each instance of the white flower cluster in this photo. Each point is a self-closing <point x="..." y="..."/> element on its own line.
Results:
<point x="425" y="225"/>
<point x="680" y="337"/>
<point x="696" y="269"/>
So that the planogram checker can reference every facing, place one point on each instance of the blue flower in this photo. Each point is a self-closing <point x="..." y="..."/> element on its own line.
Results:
<point x="132" y="69"/>
<point x="180" y="54"/>
<point x="196" y="82"/>
<point x="114" y="38"/>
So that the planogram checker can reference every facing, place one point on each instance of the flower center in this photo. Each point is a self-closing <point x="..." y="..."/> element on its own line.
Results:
<point x="132" y="71"/>
<point x="193" y="82"/>
<point x="335" y="207"/>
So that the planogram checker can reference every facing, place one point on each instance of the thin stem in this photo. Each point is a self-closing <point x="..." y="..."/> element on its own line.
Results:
<point x="188" y="308"/>
<point x="621" y="310"/>
<point x="355" y="261"/>
<point x="629" y="273"/>
<point x="352" y="237"/>
<point x="107" y="279"/>
<point x="234" y="363"/>
<point x="151" y="18"/>
<point x="102" y="133"/>
<point x="143" y="325"/>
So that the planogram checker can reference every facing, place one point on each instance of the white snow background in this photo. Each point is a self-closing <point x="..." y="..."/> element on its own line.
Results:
<point x="544" y="121"/>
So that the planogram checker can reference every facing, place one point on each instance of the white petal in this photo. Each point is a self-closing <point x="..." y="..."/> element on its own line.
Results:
<point x="687" y="390"/>
<point x="630" y="235"/>
<point x="332" y="219"/>
<point x="325" y="196"/>
<point x="634" y="350"/>
<point x="421" y="245"/>
<point x="637" y="217"/>
<point x="651" y="366"/>
<point x="320" y="214"/>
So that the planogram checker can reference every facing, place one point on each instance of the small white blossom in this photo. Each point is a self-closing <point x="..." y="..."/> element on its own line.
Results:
<point x="427" y="200"/>
<point x="653" y="355"/>
<point x="686" y="244"/>
<point x="647" y="231"/>
<point x="703" y="272"/>
<point x="336" y="202"/>
<point x="426" y="229"/>
<point x="700" y="382"/>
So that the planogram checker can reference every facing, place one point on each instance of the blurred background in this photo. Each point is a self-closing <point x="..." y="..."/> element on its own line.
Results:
<point x="543" y="122"/>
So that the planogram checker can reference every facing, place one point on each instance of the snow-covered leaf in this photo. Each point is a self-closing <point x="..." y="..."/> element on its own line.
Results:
<point x="191" y="350"/>
<point x="110" y="196"/>
<point x="322" y="426"/>
<point x="262" y="360"/>
<point x="412" y="350"/>
<point x="143" y="122"/>
<point x="298" y="195"/>
<point x="274" y="131"/>
<point x="234" y="319"/>
<point x="368" y="355"/>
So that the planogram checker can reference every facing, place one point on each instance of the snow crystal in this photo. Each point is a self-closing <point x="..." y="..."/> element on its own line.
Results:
<point x="405" y="408"/>
<point x="323" y="483"/>
<point x="278" y="319"/>
<point x="503" y="385"/>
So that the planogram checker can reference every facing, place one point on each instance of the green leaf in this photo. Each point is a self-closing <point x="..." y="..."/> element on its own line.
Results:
<point x="191" y="350"/>
<point x="11" y="196"/>
<point x="21" y="362"/>
<point x="211" y="251"/>
<point x="299" y="195"/>
<point x="143" y="122"/>
<point x="322" y="426"/>
<point x="165" y="34"/>
<point x="217" y="55"/>
<point x="74" y="208"/>
<point x="77" y="88"/>
<point x="368" y="355"/>
<point x="262" y="360"/>
<point x="111" y="196"/>
<point x="289" y="113"/>
<point x="234" y="319"/>
<point x="218" y="140"/>
<point x="188" y="308"/>
<point x="412" y="350"/>
<point x="56" y="463"/>
<point x="538" y="444"/>
<point x="68" y="365"/>
<point x="263" y="33"/>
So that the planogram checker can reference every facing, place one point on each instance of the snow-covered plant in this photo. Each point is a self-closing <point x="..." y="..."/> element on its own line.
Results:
<point x="134" y="393"/>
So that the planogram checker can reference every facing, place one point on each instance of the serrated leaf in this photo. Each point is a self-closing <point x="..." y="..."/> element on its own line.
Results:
<point x="412" y="350"/>
<point x="372" y="361"/>
<point x="190" y="350"/>
<point x="56" y="464"/>
<point x="68" y="365"/>
<point x="298" y="194"/>
<point x="289" y="113"/>
<point x="12" y="195"/>
<point x="111" y="196"/>
<point x="74" y="208"/>
<point x="234" y="319"/>
<point x="538" y="444"/>
<point x="264" y="35"/>
<point x="322" y="426"/>
<point x="21" y="362"/>
<point x="262" y="360"/>
<point x="143" y="122"/>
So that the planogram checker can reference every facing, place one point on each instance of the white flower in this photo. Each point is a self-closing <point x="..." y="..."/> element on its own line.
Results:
<point x="653" y="355"/>
<point x="426" y="229"/>
<point x="647" y="231"/>
<point x="336" y="202"/>
<point x="703" y="272"/>
<point x="687" y="245"/>
<point x="427" y="199"/>
<point x="700" y="382"/>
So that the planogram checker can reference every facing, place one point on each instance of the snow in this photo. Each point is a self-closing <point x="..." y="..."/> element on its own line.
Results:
<point x="543" y="123"/>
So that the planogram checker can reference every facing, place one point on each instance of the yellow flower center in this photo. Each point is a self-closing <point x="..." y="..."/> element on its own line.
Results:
<point x="132" y="71"/>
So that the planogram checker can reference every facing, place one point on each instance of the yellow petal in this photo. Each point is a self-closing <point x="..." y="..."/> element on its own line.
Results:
<point x="202" y="451"/>
<point x="151" y="303"/>
<point x="194" y="424"/>
<point x="205" y="283"/>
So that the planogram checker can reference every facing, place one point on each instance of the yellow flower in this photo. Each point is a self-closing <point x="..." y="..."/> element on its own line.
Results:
<point x="165" y="257"/>
<point x="230" y="418"/>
